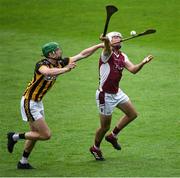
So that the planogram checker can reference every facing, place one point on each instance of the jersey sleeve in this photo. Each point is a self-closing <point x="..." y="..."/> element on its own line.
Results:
<point x="39" y="64"/>
<point x="125" y="57"/>
<point x="64" y="62"/>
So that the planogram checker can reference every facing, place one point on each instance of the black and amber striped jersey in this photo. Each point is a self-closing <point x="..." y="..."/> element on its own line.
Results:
<point x="40" y="83"/>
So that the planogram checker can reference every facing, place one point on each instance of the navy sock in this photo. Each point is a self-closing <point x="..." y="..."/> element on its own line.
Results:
<point x="22" y="135"/>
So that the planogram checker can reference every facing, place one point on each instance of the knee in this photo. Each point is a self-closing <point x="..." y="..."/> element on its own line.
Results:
<point x="46" y="135"/>
<point x="133" y="115"/>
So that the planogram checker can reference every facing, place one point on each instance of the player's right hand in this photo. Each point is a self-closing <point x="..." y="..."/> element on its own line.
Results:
<point x="71" y="65"/>
<point x="103" y="38"/>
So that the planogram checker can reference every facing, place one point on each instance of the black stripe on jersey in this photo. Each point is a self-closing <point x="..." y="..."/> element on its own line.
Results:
<point x="27" y="110"/>
<point x="40" y="63"/>
<point x="35" y="86"/>
<point x="34" y="79"/>
<point x="40" y="94"/>
<point x="48" y="87"/>
<point x="40" y="90"/>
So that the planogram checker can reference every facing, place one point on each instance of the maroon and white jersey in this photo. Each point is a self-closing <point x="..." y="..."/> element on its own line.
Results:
<point x="110" y="71"/>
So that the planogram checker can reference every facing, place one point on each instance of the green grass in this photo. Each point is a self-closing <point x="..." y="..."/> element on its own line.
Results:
<point x="151" y="146"/>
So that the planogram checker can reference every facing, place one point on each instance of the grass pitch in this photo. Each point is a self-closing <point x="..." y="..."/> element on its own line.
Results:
<point x="150" y="145"/>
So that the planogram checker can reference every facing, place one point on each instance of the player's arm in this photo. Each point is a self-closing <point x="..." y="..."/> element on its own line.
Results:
<point x="86" y="52"/>
<point x="134" y="68"/>
<point x="107" y="45"/>
<point x="107" y="51"/>
<point x="56" y="71"/>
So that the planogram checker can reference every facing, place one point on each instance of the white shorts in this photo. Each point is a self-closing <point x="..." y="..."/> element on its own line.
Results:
<point x="107" y="102"/>
<point x="31" y="110"/>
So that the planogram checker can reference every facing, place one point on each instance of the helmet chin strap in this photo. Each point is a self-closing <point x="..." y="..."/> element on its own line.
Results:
<point x="117" y="47"/>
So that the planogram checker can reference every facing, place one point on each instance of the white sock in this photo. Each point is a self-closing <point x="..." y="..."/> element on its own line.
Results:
<point x="15" y="137"/>
<point x="24" y="160"/>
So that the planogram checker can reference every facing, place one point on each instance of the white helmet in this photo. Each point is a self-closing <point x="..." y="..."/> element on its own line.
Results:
<point x="112" y="34"/>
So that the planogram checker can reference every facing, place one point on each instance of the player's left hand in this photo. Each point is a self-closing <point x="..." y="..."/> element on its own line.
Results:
<point x="147" y="59"/>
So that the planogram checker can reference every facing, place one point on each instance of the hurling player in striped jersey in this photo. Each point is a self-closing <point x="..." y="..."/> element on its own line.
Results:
<point x="45" y="73"/>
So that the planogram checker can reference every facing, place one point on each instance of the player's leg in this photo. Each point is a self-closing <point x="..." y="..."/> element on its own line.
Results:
<point x="130" y="114"/>
<point x="105" y="122"/>
<point x="32" y="112"/>
<point x="105" y="107"/>
<point x="39" y="130"/>
<point x="28" y="146"/>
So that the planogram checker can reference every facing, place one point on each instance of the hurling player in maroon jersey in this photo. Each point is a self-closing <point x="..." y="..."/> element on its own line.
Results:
<point x="109" y="95"/>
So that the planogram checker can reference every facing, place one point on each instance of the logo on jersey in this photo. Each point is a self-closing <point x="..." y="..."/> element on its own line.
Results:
<point x="118" y="63"/>
<point x="119" y="68"/>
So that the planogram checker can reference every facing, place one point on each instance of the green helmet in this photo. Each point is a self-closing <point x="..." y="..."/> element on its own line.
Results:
<point x="49" y="47"/>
